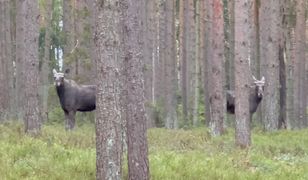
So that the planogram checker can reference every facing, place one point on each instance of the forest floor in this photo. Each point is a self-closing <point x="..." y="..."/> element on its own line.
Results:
<point x="174" y="154"/>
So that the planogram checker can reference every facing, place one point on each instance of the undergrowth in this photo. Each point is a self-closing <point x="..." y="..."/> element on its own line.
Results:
<point x="174" y="154"/>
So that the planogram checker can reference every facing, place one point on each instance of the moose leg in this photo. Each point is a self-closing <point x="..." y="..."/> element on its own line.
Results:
<point x="66" y="123"/>
<point x="71" y="121"/>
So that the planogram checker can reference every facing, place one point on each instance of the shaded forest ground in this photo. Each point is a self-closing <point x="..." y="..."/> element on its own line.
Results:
<point x="174" y="154"/>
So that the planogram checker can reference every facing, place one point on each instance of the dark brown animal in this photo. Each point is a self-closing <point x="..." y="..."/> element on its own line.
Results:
<point x="255" y="97"/>
<point x="73" y="97"/>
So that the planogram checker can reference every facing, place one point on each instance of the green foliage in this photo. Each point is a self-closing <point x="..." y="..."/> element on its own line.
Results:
<point x="173" y="154"/>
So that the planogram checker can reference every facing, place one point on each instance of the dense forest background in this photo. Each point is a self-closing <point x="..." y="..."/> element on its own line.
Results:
<point x="193" y="51"/>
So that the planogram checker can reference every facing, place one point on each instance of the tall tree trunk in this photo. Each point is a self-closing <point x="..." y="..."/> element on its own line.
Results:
<point x="20" y="46"/>
<point x="133" y="21"/>
<point x="270" y="28"/>
<point x="207" y="42"/>
<point x="202" y="59"/>
<point x="161" y="64"/>
<point x="299" y="68"/>
<point x="187" y="54"/>
<point x="31" y="67"/>
<point x="216" y="71"/>
<point x="242" y="72"/>
<point x="150" y="51"/>
<point x="44" y="72"/>
<point x="108" y="113"/>
<point x="290" y="46"/>
<point x="170" y="86"/>
<point x="282" y="66"/>
<point x="69" y="52"/>
<point x="9" y="65"/>
<point x="2" y="62"/>
<point x="196" y="72"/>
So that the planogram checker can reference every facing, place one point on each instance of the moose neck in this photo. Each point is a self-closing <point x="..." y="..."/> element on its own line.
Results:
<point x="61" y="90"/>
<point x="257" y="98"/>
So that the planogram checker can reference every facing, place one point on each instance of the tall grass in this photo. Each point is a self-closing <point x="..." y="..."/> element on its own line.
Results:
<point x="174" y="154"/>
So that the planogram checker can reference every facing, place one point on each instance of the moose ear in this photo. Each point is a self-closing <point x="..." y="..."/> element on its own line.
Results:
<point x="67" y="71"/>
<point x="54" y="71"/>
<point x="254" y="78"/>
<point x="263" y="79"/>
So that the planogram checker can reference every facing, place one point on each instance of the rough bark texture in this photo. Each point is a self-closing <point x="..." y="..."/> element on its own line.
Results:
<point x="207" y="51"/>
<point x="299" y="67"/>
<point x="187" y="54"/>
<point x="108" y="113"/>
<point x="270" y="28"/>
<point x="150" y="61"/>
<point x="196" y="72"/>
<point x="3" y="59"/>
<point x="216" y="71"/>
<point x="133" y="19"/>
<point x="290" y="46"/>
<point x="69" y="60"/>
<point x="170" y="114"/>
<point x="44" y="71"/>
<point x="242" y="72"/>
<point x="31" y="67"/>
<point x="20" y="74"/>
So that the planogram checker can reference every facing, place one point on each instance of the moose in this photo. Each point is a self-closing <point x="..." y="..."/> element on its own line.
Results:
<point x="73" y="97"/>
<point x="255" y="97"/>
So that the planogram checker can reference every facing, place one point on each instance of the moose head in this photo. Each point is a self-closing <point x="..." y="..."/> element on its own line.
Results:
<point x="58" y="78"/>
<point x="259" y="86"/>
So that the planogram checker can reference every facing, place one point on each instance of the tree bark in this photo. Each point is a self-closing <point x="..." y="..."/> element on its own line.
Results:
<point x="31" y="67"/>
<point x="196" y="72"/>
<point x="133" y="21"/>
<point x="299" y="68"/>
<point x="216" y="71"/>
<point x="242" y="72"/>
<point x="150" y="51"/>
<point x="206" y="66"/>
<point x="187" y="53"/>
<point x="20" y="74"/>
<point x="170" y="86"/>
<point x="69" y="57"/>
<point x="44" y="71"/>
<point x="108" y="113"/>
<point x="270" y="28"/>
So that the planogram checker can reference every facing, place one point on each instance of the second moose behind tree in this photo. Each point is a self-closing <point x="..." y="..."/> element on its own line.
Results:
<point x="255" y="97"/>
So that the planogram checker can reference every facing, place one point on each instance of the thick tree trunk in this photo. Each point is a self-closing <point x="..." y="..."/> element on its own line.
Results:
<point x="290" y="46"/>
<point x="207" y="51"/>
<point x="133" y="19"/>
<point x="44" y="72"/>
<point x="108" y="113"/>
<point x="196" y="72"/>
<point x="20" y="74"/>
<point x="242" y="72"/>
<point x="187" y="54"/>
<point x="150" y="51"/>
<point x="31" y="67"/>
<point x="170" y="86"/>
<point x="2" y="62"/>
<point x="69" y="57"/>
<point x="216" y="71"/>
<point x="270" y="28"/>
<point x="299" y="68"/>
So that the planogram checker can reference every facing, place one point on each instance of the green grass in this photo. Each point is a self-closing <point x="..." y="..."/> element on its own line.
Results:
<point x="174" y="154"/>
